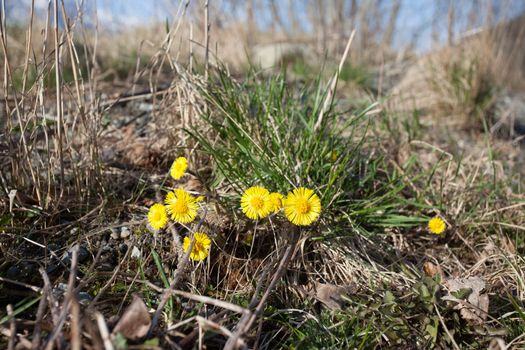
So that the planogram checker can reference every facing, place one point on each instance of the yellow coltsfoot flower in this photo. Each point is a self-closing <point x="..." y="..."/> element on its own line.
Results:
<point x="201" y="247"/>
<point x="302" y="206"/>
<point x="157" y="216"/>
<point x="437" y="225"/>
<point x="255" y="202"/>
<point x="182" y="206"/>
<point x="333" y="156"/>
<point x="276" y="202"/>
<point x="178" y="168"/>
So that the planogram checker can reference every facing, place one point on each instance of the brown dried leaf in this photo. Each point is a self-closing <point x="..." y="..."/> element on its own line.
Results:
<point x="194" y="184"/>
<point x="431" y="270"/>
<point x="330" y="295"/>
<point x="476" y="310"/>
<point x="135" y="321"/>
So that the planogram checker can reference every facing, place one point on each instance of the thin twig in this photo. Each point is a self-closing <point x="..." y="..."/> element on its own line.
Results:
<point x="88" y="276"/>
<point x="75" y="325"/>
<point x="60" y="114"/>
<point x="12" y="327"/>
<point x="206" y="40"/>
<point x="25" y="285"/>
<point x="48" y="292"/>
<point x="333" y="84"/>
<point x="247" y="320"/>
<point x="111" y="280"/>
<point x="213" y="325"/>
<point x="67" y="299"/>
<point x="185" y="342"/>
<point x="104" y="332"/>
<point x="38" y="321"/>
<point x="445" y="328"/>
<point x="212" y="301"/>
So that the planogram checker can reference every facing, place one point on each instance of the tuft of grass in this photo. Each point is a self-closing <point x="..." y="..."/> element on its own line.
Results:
<point x="265" y="131"/>
<point x="356" y="74"/>
<point x="465" y="87"/>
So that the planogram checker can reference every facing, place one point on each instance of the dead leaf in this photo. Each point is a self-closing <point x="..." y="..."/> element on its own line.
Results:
<point x="476" y="307"/>
<point x="330" y="295"/>
<point x="135" y="321"/>
<point x="194" y="184"/>
<point x="431" y="270"/>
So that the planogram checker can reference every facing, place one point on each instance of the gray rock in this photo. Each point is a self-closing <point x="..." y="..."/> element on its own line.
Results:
<point x="83" y="254"/>
<point x="84" y="298"/>
<point x="123" y="248"/>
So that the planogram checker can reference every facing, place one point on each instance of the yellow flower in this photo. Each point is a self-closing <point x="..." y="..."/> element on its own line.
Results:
<point x="255" y="202"/>
<point x="333" y="156"/>
<point x="178" y="168"/>
<point x="276" y="202"/>
<point x="302" y="206"/>
<point x="436" y="225"/>
<point x="157" y="216"/>
<point x="201" y="247"/>
<point x="182" y="206"/>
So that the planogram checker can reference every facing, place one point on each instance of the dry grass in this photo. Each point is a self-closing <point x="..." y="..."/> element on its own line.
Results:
<point x="91" y="127"/>
<point x="459" y="86"/>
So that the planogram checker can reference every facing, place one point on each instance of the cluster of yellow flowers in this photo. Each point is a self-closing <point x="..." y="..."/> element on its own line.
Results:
<point x="301" y="206"/>
<point x="181" y="207"/>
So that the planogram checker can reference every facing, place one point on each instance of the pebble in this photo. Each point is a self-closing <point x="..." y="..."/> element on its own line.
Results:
<point x="83" y="254"/>
<point x="84" y="298"/>
<point x="53" y="247"/>
<point x="135" y="253"/>
<point x="125" y="232"/>
<point x="123" y="248"/>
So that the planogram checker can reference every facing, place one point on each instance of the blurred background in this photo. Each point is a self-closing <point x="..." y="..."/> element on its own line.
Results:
<point x="263" y="29"/>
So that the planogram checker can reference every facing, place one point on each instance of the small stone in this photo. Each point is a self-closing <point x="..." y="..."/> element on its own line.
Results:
<point x="84" y="298"/>
<point x="135" y="253"/>
<point x="53" y="247"/>
<point x="123" y="248"/>
<point x="83" y="254"/>
<point x="125" y="232"/>
<point x="114" y="234"/>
